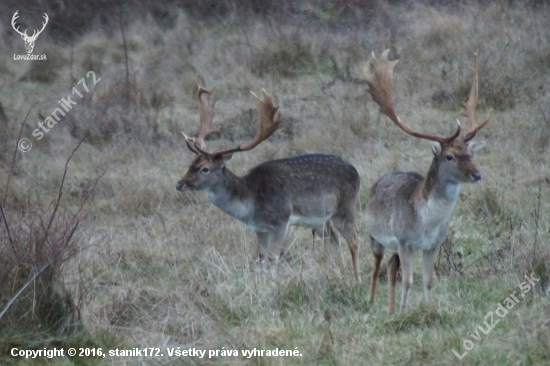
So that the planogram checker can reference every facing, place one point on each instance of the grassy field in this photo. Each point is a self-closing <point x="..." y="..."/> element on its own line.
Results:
<point x="122" y="260"/>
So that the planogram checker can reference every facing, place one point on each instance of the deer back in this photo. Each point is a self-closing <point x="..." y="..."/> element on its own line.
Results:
<point x="306" y="188"/>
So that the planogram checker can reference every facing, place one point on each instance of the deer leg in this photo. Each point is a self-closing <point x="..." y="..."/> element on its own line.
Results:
<point x="406" y="256"/>
<point x="393" y="267"/>
<point x="330" y="241"/>
<point x="428" y="260"/>
<point x="378" y="253"/>
<point x="346" y="227"/>
<point x="276" y="241"/>
<point x="263" y="241"/>
<point x="285" y="253"/>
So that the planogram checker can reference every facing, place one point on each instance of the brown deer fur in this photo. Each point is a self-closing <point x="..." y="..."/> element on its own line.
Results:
<point x="308" y="190"/>
<point x="410" y="212"/>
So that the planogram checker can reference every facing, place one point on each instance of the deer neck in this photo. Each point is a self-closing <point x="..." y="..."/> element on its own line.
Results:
<point x="437" y="196"/>
<point x="231" y="195"/>
<point x="436" y="186"/>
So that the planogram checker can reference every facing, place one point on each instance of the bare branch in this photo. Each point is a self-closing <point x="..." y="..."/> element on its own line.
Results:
<point x="5" y="220"/>
<point x="59" y="195"/>
<point x="23" y="289"/>
<point x="15" y="150"/>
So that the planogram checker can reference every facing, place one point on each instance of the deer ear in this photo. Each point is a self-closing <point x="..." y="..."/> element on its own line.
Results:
<point x="436" y="148"/>
<point x="475" y="146"/>
<point x="226" y="157"/>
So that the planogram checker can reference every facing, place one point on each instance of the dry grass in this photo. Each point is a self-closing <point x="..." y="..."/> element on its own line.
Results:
<point x="171" y="270"/>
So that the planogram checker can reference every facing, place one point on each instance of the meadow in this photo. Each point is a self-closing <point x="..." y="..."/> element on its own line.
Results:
<point x="102" y="251"/>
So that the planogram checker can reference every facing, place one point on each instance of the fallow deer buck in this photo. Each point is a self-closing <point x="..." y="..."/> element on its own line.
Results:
<point x="307" y="190"/>
<point x="407" y="211"/>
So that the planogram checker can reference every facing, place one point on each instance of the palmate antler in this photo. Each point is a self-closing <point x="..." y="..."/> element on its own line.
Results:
<point x="267" y="124"/>
<point x="206" y="112"/>
<point x="471" y="106"/>
<point x="380" y="87"/>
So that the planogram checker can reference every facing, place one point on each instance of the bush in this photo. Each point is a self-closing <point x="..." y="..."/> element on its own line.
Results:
<point x="40" y="290"/>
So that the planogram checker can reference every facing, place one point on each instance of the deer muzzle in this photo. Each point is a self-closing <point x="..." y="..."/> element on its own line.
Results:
<point x="184" y="185"/>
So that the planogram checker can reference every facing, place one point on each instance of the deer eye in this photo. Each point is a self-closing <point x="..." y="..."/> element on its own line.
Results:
<point x="449" y="157"/>
<point x="205" y="169"/>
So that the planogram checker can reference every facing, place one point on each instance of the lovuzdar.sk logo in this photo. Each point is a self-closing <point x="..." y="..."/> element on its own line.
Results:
<point x="29" y="40"/>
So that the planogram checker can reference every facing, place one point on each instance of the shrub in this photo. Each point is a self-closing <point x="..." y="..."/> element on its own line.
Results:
<point x="36" y="270"/>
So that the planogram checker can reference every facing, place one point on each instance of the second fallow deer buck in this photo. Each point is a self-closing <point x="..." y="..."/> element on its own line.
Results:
<point x="307" y="190"/>
<point x="409" y="212"/>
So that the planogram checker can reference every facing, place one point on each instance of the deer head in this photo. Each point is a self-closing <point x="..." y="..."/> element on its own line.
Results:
<point x="453" y="153"/>
<point x="206" y="167"/>
<point x="29" y="41"/>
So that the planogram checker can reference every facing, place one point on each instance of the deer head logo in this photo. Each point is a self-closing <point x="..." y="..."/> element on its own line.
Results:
<point x="29" y="41"/>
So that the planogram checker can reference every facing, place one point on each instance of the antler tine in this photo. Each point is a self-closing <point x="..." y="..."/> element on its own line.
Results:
<point x="43" y="24"/>
<point x="206" y="110"/>
<point x="267" y="124"/>
<point x="380" y="87"/>
<point x="380" y="83"/>
<point x="37" y="32"/>
<point x="13" y="21"/>
<point x="471" y="105"/>
<point x="190" y="142"/>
